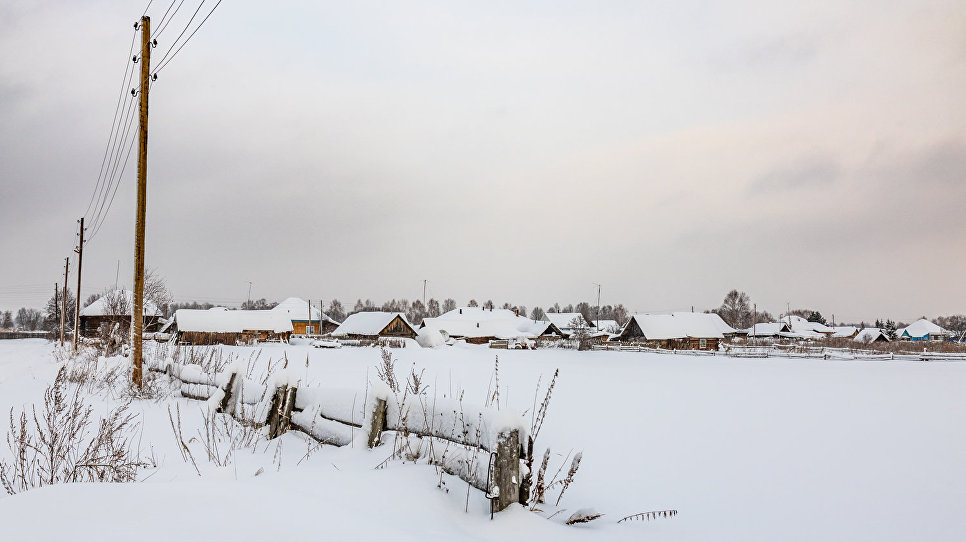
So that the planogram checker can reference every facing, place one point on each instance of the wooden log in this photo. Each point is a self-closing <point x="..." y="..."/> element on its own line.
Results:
<point x="377" y="423"/>
<point x="285" y="416"/>
<point x="506" y="470"/>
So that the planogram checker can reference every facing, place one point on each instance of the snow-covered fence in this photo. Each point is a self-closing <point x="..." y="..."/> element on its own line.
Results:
<point x="481" y="445"/>
<point x="621" y="347"/>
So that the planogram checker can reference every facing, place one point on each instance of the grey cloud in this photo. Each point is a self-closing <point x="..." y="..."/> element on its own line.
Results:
<point x="809" y="172"/>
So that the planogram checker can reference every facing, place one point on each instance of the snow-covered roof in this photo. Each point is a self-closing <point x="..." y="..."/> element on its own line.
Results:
<point x="870" y="334"/>
<point x="563" y="319"/>
<point x="101" y="308"/>
<point x="677" y="326"/>
<point x="218" y="320"/>
<point x="844" y="332"/>
<point x="367" y="323"/>
<point x="607" y="325"/>
<point x="478" y="322"/>
<point x="714" y="318"/>
<point x="800" y="325"/>
<point x="920" y="328"/>
<point x="767" y="329"/>
<point x="297" y="310"/>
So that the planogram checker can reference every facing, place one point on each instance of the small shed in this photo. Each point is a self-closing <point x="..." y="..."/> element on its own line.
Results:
<point x="306" y="319"/>
<point x="222" y="326"/>
<point x="374" y="325"/>
<point x="564" y="321"/>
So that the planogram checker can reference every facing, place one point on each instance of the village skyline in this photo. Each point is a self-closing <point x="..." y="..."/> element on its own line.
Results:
<point x="810" y="156"/>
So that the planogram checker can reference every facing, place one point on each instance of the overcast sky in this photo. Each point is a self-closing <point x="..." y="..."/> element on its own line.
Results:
<point x="804" y="152"/>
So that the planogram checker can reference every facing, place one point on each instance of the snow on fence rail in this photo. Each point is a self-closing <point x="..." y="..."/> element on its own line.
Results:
<point x="483" y="446"/>
<point x="793" y="351"/>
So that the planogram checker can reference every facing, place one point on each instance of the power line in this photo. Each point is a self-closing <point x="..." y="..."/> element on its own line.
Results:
<point x="117" y="183"/>
<point x="114" y="123"/>
<point x="164" y="24"/>
<point x="185" y="29"/>
<point x="146" y="7"/>
<point x="162" y="64"/>
<point x="115" y="160"/>
<point x="165" y="16"/>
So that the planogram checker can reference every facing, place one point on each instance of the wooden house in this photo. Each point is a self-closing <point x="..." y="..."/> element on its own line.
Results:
<point x="306" y="319"/>
<point x="477" y="325"/>
<point x="682" y="331"/>
<point x="564" y="321"/>
<point x="871" y="335"/>
<point x="371" y="326"/>
<point x="222" y="326"/>
<point x="114" y="307"/>
<point x="923" y="330"/>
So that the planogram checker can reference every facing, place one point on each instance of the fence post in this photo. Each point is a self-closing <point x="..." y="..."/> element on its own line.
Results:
<point x="506" y="470"/>
<point x="377" y="423"/>
<point x="527" y="480"/>
<point x="228" y="401"/>
<point x="275" y="412"/>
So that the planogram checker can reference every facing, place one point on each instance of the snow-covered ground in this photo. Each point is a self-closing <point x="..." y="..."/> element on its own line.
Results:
<point x="744" y="449"/>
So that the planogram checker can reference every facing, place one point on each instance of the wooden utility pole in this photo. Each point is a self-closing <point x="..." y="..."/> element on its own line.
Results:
<point x="137" y="315"/>
<point x="80" y="261"/>
<point x="63" y="311"/>
<point x="57" y="301"/>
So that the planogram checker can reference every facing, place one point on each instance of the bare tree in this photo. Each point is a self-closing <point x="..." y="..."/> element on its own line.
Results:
<point x="6" y="320"/>
<point x="53" y="309"/>
<point x="432" y="308"/>
<point x="449" y="304"/>
<point x="736" y="309"/>
<point x="29" y="319"/>
<point x="537" y="313"/>
<point x="336" y="312"/>
<point x="156" y="291"/>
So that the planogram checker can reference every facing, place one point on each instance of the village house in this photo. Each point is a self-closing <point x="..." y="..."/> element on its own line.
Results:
<point x="306" y="319"/>
<point x="564" y="321"/>
<point x="682" y="331"/>
<point x="871" y="335"/>
<point x="222" y="326"/>
<point x="477" y="325"/>
<point x="115" y="307"/>
<point x="922" y="330"/>
<point x="371" y="326"/>
<point x="845" y="332"/>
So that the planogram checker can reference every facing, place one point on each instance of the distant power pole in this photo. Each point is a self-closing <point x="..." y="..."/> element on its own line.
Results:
<point x="80" y="265"/>
<point x="138" y="310"/>
<point x="63" y="311"/>
<point x="598" y="305"/>
<point x="57" y="299"/>
<point x="424" y="292"/>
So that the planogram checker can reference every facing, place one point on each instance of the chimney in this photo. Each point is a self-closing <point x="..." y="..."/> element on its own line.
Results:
<point x="516" y="312"/>
<point x="477" y="324"/>
<point x="461" y="311"/>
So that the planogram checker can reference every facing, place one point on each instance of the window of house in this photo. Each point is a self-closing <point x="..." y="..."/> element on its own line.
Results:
<point x="702" y="343"/>
<point x="309" y="330"/>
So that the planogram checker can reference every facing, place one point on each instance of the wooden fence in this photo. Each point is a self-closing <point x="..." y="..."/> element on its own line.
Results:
<point x="794" y="351"/>
<point x="460" y="439"/>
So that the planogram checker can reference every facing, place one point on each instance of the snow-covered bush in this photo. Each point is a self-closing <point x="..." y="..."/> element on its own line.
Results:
<point x="62" y="442"/>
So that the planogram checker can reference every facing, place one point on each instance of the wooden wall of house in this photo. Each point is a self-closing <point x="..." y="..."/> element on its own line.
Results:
<point x="320" y="328"/>
<point x="203" y="338"/>
<point x="90" y="325"/>
<point x="397" y="328"/>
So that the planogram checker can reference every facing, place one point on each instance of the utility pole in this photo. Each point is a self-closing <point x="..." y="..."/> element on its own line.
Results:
<point x="56" y="302"/>
<point x="598" y="305"/>
<point x="249" y="306"/>
<point x="80" y="263"/>
<point x="424" y="292"/>
<point x="63" y="311"/>
<point x="138" y="311"/>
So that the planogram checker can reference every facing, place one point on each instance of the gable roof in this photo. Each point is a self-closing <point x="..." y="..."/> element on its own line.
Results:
<point x="676" y="326"/>
<point x="368" y="323"/>
<point x="297" y="310"/>
<point x="499" y="323"/>
<point x="807" y="329"/>
<point x="100" y="306"/>
<point x="712" y="317"/>
<point x="870" y="334"/>
<point x="219" y="320"/>
<point x="607" y="325"/>
<point x="767" y="329"/>
<point x="920" y="328"/>
<point x="563" y="319"/>
<point x="845" y="331"/>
